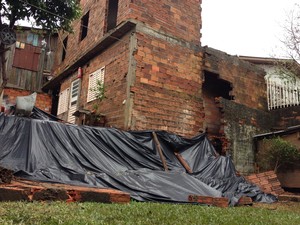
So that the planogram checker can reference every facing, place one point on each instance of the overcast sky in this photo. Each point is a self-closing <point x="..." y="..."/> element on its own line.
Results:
<point x="245" y="27"/>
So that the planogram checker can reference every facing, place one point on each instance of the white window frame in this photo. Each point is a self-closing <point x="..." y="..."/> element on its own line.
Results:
<point x="93" y="77"/>
<point x="74" y="95"/>
<point x="63" y="101"/>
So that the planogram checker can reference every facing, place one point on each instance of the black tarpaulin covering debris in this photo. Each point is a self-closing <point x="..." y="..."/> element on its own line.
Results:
<point x="106" y="157"/>
<point x="42" y="115"/>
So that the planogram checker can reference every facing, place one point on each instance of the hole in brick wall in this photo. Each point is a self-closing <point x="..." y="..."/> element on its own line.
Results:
<point x="112" y="14"/>
<point x="214" y="87"/>
<point x="217" y="143"/>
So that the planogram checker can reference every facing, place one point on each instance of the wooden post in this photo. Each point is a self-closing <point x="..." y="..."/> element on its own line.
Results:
<point x="183" y="162"/>
<point x="160" y="151"/>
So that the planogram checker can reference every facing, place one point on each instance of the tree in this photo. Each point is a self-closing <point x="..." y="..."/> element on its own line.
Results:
<point x="292" y="33"/>
<point x="291" y="44"/>
<point x="48" y="14"/>
<point x="277" y="153"/>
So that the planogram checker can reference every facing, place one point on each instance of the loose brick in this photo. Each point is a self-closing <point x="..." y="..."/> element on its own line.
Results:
<point x="13" y="194"/>
<point x="50" y="194"/>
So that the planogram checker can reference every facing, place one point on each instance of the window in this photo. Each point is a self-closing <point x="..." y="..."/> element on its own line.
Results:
<point x="112" y="14"/>
<point x="65" y="44"/>
<point x="73" y="100"/>
<point x="74" y="92"/>
<point x="93" y="78"/>
<point x="33" y="39"/>
<point x="63" y="101"/>
<point x="20" y="45"/>
<point x="84" y="26"/>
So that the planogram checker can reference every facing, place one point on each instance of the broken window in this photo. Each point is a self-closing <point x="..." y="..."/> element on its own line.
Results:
<point x="112" y="14"/>
<point x="95" y="79"/>
<point x="84" y="25"/>
<point x="64" y="51"/>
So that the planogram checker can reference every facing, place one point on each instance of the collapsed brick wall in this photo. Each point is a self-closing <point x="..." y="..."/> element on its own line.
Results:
<point x="239" y="124"/>
<point x="236" y="119"/>
<point x="168" y="86"/>
<point x="43" y="100"/>
<point x="247" y="80"/>
<point x="267" y="182"/>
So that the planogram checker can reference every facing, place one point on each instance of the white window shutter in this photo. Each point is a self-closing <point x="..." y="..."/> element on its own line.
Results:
<point x="97" y="75"/>
<point x="63" y="101"/>
<point x="74" y="93"/>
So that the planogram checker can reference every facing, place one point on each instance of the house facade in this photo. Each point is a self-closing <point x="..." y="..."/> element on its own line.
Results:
<point x="283" y="85"/>
<point x="29" y="65"/>
<point x="156" y="75"/>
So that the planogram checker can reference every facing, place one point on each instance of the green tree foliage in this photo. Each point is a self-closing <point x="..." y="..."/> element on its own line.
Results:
<point x="277" y="153"/>
<point x="50" y="15"/>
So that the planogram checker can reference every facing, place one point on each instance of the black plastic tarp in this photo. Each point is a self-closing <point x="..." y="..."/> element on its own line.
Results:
<point x="50" y="151"/>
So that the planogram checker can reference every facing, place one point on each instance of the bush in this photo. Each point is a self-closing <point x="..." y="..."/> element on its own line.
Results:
<point x="277" y="153"/>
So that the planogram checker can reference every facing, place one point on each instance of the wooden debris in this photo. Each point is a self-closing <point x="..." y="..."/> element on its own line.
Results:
<point x="162" y="158"/>
<point x="212" y="201"/>
<point x="183" y="162"/>
<point x="20" y="190"/>
<point x="289" y="197"/>
<point x="245" y="201"/>
<point x="6" y="175"/>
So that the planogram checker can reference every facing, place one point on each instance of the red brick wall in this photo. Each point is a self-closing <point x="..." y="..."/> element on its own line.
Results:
<point x="43" y="101"/>
<point x="178" y="18"/>
<point x="115" y="61"/>
<point x="267" y="181"/>
<point x="95" y="32"/>
<point x="181" y="19"/>
<point x="248" y="83"/>
<point x="168" y="87"/>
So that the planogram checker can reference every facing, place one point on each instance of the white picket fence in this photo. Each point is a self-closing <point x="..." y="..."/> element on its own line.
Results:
<point x="282" y="94"/>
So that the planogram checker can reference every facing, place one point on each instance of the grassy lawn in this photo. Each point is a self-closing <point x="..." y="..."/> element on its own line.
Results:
<point x="145" y="213"/>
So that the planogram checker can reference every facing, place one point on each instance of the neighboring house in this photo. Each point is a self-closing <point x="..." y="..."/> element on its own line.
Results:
<point x="289" y="178"/>
<point x="29" y="66"/>
<point x="156" y="75"/>
<point x="283" y="87"/>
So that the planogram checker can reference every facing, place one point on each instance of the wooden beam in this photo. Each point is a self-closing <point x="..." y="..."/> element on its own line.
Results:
<point x="160" y="151"/>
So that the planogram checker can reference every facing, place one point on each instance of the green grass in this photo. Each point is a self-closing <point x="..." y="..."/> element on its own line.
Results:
<point x="145" y="213"/>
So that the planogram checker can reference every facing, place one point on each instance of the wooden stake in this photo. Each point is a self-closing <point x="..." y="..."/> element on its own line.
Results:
<point x="183" y="162"/>
<point x="160" y="151"/>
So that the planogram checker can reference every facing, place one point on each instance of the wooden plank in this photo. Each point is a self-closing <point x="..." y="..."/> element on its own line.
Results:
<point x="19" y="190"/>
<point x="162" y="158"/>
<point x="183" y="162"/>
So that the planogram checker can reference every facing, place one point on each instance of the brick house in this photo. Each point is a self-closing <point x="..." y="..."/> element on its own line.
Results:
<point x="156" y="75"/>
<point x="28" y="66"/>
